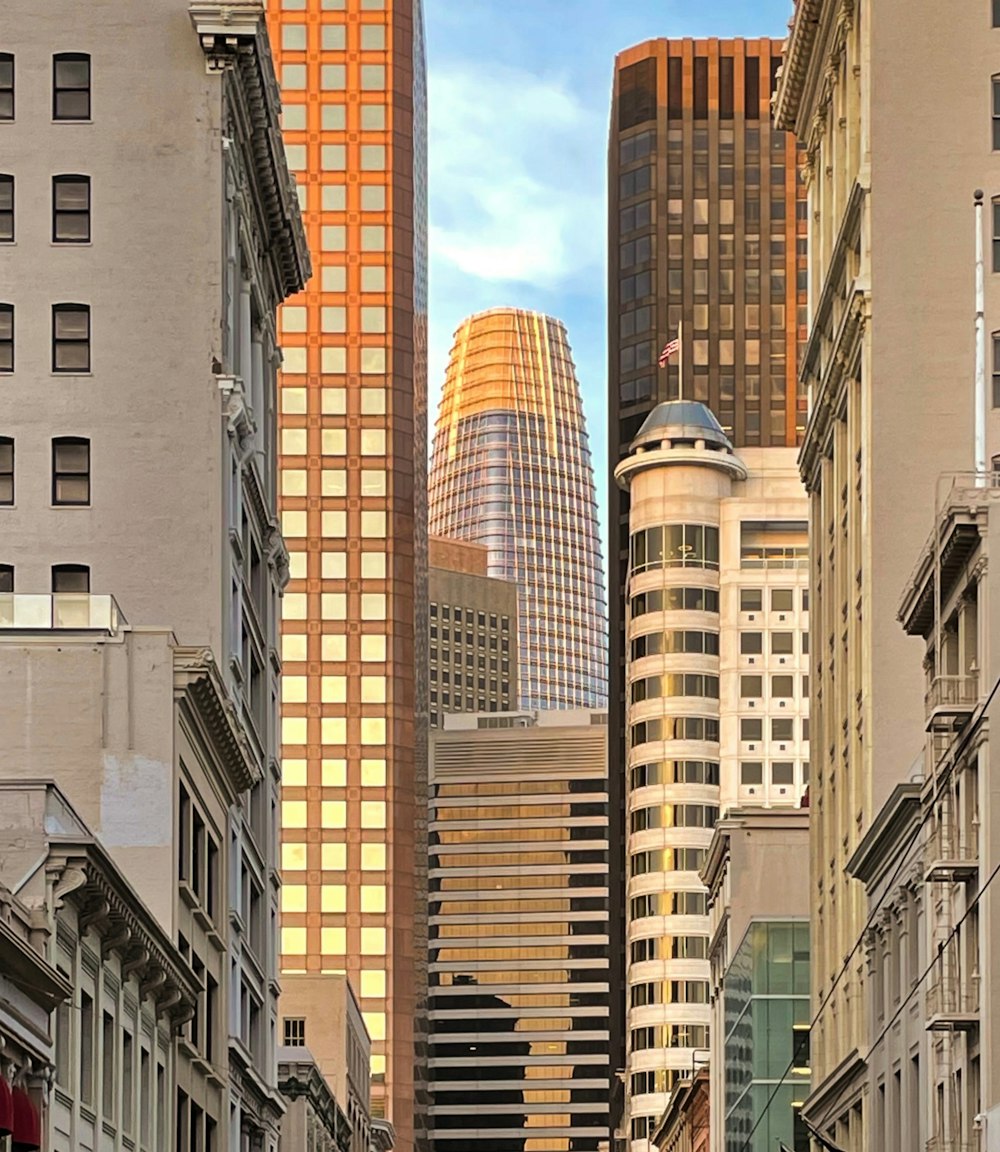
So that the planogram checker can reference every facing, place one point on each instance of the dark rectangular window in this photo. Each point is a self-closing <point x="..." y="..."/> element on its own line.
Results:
<point x="70" y="338"/>
<point x="996" y="13"/>
<point x="775" y="69"/>
<point x="637" y="94"/>
<point x="71" y="86"/>
<point x="6" y="86"/>
<point x="6" y="337"/>
<point x="6" y="208"/>
<point x="71" y="209"/>
<point x="726" y="98"/>
<point x="751" y="87"/>
<point x="996" y="369"/>
<point x="7" y="586"/>
<point x="128" y="1083"/>
<point x="701" y="88"/>
<point x="71" y="578"/>
<point x="996" y="113"/>
<point x="70" y="470"/>
<point x="6" y="470"/>
<point x="86" y="1049"/>
<point x="996" y="233"/>
<point x="294" y="1031"/>
<point x="675" y="88"/>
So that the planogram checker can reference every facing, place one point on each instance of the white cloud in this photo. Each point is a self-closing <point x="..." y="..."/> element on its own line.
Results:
<point x="516" y="177"/>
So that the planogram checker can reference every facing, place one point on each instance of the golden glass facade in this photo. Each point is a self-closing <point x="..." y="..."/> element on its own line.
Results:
<point x="512" y="470"/>
<point x="353" y="489"/>
<point x="519" y="933"/>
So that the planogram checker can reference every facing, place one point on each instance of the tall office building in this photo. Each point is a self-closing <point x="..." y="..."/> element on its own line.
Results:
<point x="705" y="230"/>
<point x="141" y="554"/>
<point x="511" y="469"/>
<point x="889" y="352"/>
<point x="353" y="486"/>
<point x="716" y="708"/>
<point x="473" y="632"/>
<point x="519" y="933"/>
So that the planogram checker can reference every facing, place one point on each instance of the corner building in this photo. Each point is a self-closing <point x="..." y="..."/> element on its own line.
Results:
<point x="706" y="228"/>
<point x="512" y="470"/>
<point x="716" y="710"/>
<point x="353" y="487"/>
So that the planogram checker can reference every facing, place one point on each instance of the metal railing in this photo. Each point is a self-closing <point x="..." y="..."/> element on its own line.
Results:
<point x="952" y="691"/>
<point x="952" y="997"/>
<point x="949" y="840"/>
<point x="59" y="611"/>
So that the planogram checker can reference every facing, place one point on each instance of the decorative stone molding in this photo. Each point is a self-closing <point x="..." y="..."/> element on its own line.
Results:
<point x="223" y="28"/>
<point x="82" y="874"/>
<point x="198" y="680"/>
<point x="239" y="422"/>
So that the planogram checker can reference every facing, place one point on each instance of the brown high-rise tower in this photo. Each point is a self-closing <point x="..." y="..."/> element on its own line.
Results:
<point x="706" y="229"/>
<point x="354" y="513"/>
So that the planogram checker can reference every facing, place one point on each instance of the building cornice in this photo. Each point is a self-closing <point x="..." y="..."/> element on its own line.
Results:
<point x="668" y="457"/>
<point x="81" y="872"/>
<point x="300" y="1078"/>
<point x="198" y="682"/>
<point x="837" y="1092"/>
<point x="877" y="850"/>
<point x="28" y="969"/>
<point x="233" y="36"/>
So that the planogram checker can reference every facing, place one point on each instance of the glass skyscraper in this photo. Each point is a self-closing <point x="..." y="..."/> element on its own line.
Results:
<point x="511" y="469"/>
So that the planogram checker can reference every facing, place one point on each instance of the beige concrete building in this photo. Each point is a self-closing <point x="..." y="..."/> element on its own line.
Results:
<point x="142" y="557"/>
<point x="757" y="878"/>
<point x="114" y="989"/>
<point x="891" y="341"/>
<point x="321" y="1020"/>
<point x="949" y="602"/>
<point x="716" y="707"/>
<point x="314" y="1121"/>
<point x="469" y="613"/>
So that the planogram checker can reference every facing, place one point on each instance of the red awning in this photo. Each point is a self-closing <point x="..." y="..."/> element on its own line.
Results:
<point x="6" y="1108"/>
<point x="27" y="1128"/>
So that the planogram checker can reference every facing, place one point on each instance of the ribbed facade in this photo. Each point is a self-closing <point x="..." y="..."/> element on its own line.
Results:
<point x="511" y="469"/>
<point x="519" y="934"/>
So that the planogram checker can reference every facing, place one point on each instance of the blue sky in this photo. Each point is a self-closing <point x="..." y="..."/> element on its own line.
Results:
<point x="519" y="98"/>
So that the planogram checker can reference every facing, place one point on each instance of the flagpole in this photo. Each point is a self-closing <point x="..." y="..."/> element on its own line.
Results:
<point x="680" y="360"/>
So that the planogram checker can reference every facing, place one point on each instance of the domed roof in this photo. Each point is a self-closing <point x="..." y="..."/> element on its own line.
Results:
<point x="682" y="420"/>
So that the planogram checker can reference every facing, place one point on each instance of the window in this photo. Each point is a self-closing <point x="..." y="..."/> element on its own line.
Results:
<point x="782" y="643"/>
<point x="996" y="13"/>
<point x="996" y="338"/>
<point x="70" y="338"/>
<point x="751" y="773"/>
<point x="782" y="728"/>
<point x="6" y="470"/>
<point x="70" y="578"/>
<point x="6" y="86"/>
<point x="751" y="643"/>
<point x="782" y="772"/>
<point x="751" y="729"/>
<point x="70" y="470"/>
<point x="751" y="687"/>
<point x="86" y="1048"/>
<point x="71" y="209"/>
<point x="6" y="337"/>
<point x="71" y="86"/>
<point x="782" y="600"/>
<point x="6" y="208"/>
<point x="294" y="1031"/>
<point x="751" y="599"/>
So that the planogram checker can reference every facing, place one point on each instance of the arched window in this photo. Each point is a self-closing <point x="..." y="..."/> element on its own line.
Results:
<point x="70" y="578"/>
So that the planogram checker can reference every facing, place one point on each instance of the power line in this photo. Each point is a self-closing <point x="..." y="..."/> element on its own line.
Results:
<point x="951" y="756"/>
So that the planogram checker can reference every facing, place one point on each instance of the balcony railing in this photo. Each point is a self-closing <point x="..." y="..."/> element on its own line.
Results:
<point x="952" y="1003"/>
<point x="951" y="697"/>
<point x="59" y="611"/>
<point x="952" y="849"/>
<point x="949" y="1144"/>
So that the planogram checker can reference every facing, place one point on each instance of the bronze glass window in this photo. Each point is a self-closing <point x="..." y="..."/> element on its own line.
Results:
<point x="71" y="86"/>
<point x="70" y="338"/>
<point x="70" y="470"/>
<point x="6" y="470"/>
<point x="6" y="86"/>
<point x="71" y="209"/>
<point x="6" y="208"/>
<point x="70" y="578"/>
<point x="6" y="337"/>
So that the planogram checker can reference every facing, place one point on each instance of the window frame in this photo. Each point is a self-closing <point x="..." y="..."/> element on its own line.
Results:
<point x="63" y="342"/>
<point x="62" y="181"/>
<point x="7" y="181"/>
<point x="7" y="441"/>
<point x="57" y="90"/>
<point x="59" y="474"/>
<point x="6" y="579"/>
<point x="5" y="341"/>
<point x="8" y="58"/>
<point x="58" y="570"/>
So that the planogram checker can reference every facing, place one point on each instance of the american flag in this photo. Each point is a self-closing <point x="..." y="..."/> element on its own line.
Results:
<point x="671" y="348"/>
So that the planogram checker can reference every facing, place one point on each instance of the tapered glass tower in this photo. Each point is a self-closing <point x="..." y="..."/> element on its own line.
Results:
<point x="511" y="469"/>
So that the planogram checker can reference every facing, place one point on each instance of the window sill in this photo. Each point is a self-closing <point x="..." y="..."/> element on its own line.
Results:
<point x="71" y="375"/>
<point x="70" y="244"/>
<point x="72" y="507"/>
